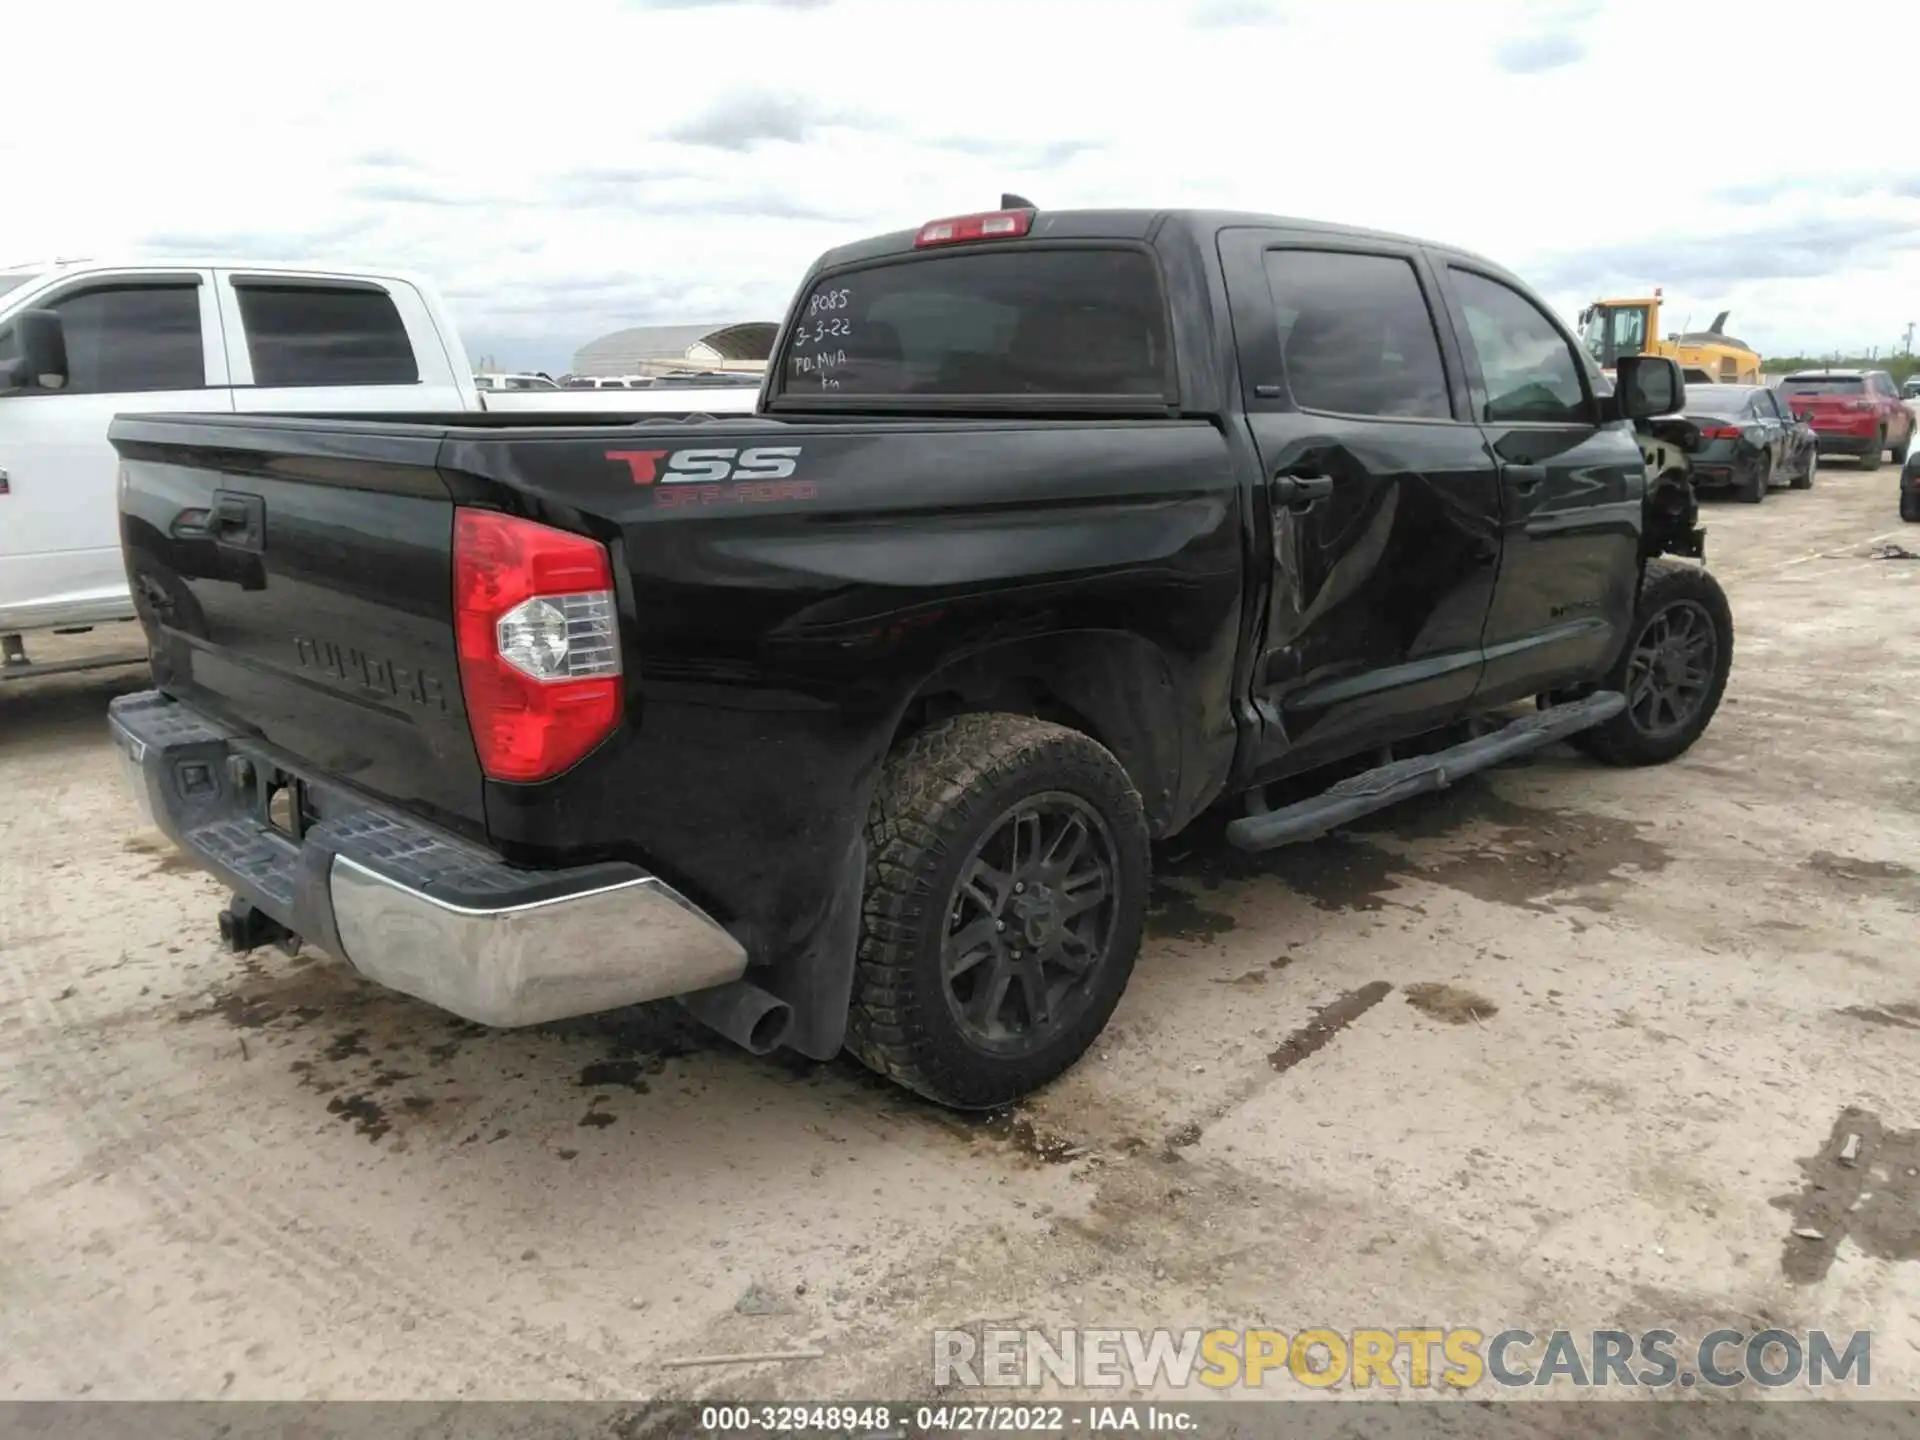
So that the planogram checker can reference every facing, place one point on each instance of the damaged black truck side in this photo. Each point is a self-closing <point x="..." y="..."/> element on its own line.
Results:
<point x="850" y="723"/>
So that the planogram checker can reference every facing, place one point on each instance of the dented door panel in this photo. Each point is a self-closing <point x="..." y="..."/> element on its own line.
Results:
<point x="1379" y="574"/>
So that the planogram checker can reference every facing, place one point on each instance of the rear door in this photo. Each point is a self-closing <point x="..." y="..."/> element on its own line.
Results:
<point x="302" y="342"/>
<point x="1570" y="490"/>
<point x="137" y="341"/>
<point x="1379" y="499"/>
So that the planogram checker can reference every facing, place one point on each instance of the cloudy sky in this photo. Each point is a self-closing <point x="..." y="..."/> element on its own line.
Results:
<point x="566" y="168"/>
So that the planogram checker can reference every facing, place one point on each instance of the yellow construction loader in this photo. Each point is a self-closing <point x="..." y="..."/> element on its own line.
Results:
<point x="1612" y="328"/>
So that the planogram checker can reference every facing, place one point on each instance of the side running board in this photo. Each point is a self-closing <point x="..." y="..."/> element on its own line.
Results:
<point x="1421" y="775"/>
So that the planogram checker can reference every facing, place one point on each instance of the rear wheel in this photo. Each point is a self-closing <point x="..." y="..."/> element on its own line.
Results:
<point x="1804" y="480"/>
<point x="1754" y="489"/>
<point x="1871" y="460"/>
<point x="1673" y="671"/>
<point x="1910" y="498"/>
<point x="1006" y="889"/>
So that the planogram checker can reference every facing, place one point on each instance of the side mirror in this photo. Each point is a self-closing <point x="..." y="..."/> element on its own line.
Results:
<point x="1646" y="386"/>
<point x="39" y="361"/>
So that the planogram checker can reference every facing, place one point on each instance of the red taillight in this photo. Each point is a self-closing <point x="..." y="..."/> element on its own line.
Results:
<point x="992" y="225"/>
<point x="1720" y="432"/>
<point x="539" y="648"/>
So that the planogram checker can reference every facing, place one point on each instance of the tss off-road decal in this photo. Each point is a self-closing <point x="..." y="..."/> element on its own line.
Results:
<point x="718" y="475"/>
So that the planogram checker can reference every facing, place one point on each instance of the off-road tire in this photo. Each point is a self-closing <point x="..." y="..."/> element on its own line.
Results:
<point x="1871" y="460"/>
<point x="938" y="795"/>
<point x="1909" y="501"/>
<point x="1804" y="480"/>
<point x="1620" y="741"/>
<point x="1754" y="490"/>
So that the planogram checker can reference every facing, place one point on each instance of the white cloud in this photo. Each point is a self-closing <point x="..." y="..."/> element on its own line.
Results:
<point x="567" y="169"/>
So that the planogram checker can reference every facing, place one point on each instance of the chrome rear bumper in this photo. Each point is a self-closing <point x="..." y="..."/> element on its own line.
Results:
<point x="574" y="954"/>
<point x="412" y="908"/>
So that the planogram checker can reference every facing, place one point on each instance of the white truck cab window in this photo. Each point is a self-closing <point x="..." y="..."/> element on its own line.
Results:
<point x="123" y="339"/>
<point x="324" y="335"/>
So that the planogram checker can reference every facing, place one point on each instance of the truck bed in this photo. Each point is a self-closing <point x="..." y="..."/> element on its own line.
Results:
<point x="785" y="589"/>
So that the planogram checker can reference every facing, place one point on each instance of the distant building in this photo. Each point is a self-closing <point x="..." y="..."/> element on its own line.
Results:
<point x="661" y="349"/>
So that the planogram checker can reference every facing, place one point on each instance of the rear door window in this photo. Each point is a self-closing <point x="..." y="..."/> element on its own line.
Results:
<point x="1356" y="335"/>
<point x="324" y="335"/>
<point x="1527" y="365"/>
<point x="1059" y="322"/>
<point x="124" y="339"/>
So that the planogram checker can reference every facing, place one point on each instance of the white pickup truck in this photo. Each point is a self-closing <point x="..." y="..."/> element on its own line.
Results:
<point x="83" y="341"/>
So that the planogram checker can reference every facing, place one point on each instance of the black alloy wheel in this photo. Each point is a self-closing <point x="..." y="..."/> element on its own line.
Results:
<point x="1672" y="671"/>
<point x="1007" y="879"/>
<point x="1671" y="668"/>
<point x="1032" y="922"/>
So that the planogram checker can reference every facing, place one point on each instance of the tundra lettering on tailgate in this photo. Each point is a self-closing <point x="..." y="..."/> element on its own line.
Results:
<point x="371" y="674"/>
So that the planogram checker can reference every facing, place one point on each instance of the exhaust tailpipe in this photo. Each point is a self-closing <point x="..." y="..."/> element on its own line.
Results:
<point x="744" y="1013"/>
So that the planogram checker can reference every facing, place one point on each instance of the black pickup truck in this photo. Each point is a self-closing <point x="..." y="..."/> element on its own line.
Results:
<point x="850" y="723"/>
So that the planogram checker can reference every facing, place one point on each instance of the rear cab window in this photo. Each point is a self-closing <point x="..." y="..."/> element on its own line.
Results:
<point x="1035" y="326"/>
<point x="1717" y="399"/>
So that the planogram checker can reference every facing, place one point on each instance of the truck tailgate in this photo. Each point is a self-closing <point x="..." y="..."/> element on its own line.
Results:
<point x="295" y="581"/>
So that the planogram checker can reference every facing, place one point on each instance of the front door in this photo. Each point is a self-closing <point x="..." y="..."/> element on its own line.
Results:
<point x="1378" y="510"/>
<point x="140" y="342"/>
<point x="1570" y="492"/>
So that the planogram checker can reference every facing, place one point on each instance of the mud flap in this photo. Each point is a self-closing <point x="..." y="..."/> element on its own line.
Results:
<point x="817" y="981"/>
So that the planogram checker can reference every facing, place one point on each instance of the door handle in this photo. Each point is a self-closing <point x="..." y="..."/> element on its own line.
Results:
<point x="1299" y="489"/>
<point x="227" y="518"/>
<point x="1524" y="478"/>
<point x="237" y="520"/>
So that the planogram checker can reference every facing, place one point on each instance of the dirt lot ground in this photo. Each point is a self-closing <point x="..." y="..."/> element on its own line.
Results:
<point x="1564" y="1047"/>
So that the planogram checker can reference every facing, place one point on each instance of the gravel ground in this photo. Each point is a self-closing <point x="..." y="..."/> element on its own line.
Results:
<point x="1563" y="1047"/>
